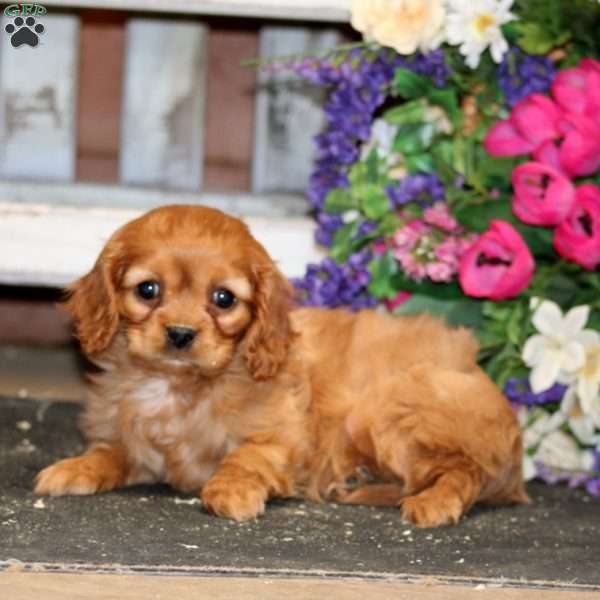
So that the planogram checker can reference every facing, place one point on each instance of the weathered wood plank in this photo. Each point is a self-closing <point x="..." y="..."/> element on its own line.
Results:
<point x="37" y="101"/>
<point x="163" y="107"/>
<point x="288" y="112"/>
<point x="306" y="10"/>
<point x="51" y="245"/>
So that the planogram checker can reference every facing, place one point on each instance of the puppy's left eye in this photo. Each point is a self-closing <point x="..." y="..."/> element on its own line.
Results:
<point x="148" y="290"/>
<point x="223" y="298"/>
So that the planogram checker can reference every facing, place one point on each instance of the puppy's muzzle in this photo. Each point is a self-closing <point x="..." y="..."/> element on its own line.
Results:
<point x="180" y="337"/>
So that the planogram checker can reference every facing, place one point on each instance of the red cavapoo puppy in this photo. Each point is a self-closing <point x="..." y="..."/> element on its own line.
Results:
<point x="213" y="383"/>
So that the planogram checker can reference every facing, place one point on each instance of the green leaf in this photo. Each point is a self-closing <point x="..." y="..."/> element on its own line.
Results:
<point x="410" y="85"/>
<point x="383" y="269"/>
<point x="477" y="217"/>
<point x="464" y="311"/>
<point x="414" y="138"/>
<point x="373" y="201"/>
<point x="343" y="242"/>
<point x="419" y="163"/>
<point x="358" y="174"/>
<point x="407" y="112"/>
<point x="339" y="200"/>
<point x="372" y="163"/>
<point x="536" y="39"/>
<point x="538" y="239"/>
<point x="447" y="99"/>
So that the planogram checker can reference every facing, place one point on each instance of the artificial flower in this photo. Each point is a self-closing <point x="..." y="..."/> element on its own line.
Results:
<point x="560" y="451"/>
<point x="557" y="351"/>
<point x="405" y="25"/>
<point x="582" y="421"/>
<point x="498" y="265"/>
<point x="543" y="195"/>
<point x="588" y="380"/>
<point x="578" y="236"/>
<point x="476" y="26"/>
<point x="579" y="151"/>
<point x="532" y="122"/>
<point x="577" y="89"/>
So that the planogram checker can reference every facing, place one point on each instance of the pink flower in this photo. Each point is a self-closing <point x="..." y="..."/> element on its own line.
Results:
<point x="439" y="271"/>
<point x="532" y="122"/>
<point x="577" y="90"/>
<point x="439" y="216"/>
<point x="407" y="236"/>
<point x="498" y="265"/>
<point x="411" y="266"/>
<point x="579" y="152"/>
<point x="397" y="300"/>
<point x="577" y="238"/>
<point x="543" y="195"/>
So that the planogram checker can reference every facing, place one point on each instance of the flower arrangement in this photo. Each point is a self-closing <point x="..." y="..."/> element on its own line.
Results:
<point x="459" y="173"/>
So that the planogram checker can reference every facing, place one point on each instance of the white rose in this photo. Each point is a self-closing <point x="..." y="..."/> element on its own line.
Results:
<point x="405" y="25"/>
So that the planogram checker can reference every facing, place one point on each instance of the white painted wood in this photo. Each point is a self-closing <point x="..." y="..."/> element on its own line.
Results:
<point x="307" y="10"/>
<point x="289" y="112"/>
<point x="37" y="101"/>
<point x="163" y="107"/>
<point x="49" y="245"/>
<point x="94" y="195"/>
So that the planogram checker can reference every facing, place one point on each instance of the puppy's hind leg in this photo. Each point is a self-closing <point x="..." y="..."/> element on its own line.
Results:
<point x="416" y="437"/>
<point x="100" y="469"/>
<point x="446" y="499"/>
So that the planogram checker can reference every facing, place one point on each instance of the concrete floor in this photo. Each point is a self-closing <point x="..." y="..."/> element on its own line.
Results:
<point x="155" y="542"/>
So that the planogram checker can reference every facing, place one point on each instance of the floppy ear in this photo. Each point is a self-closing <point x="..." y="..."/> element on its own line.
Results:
<point x="92" y="303"/>
<point x="268" y="338"/>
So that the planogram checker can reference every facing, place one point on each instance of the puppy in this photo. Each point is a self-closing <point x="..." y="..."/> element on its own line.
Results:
<point x="213" y="383"/>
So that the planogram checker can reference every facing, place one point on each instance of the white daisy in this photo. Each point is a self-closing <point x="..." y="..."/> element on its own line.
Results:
<point x="475" y="25"/>
<point x="558" y="351"/>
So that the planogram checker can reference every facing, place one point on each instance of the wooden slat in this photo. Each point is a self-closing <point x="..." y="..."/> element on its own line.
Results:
<point x="52" y="245"/>
<point x="102" y="40"/>
<point x="230" y="108"/>
<point x="163" y="108"/>
<point x="288" y="112"/>
<point x="38" y="98"/>
<point x="307" y="10"/>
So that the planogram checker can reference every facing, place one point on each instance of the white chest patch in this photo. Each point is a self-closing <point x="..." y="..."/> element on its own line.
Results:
<point x="173" y="438"/>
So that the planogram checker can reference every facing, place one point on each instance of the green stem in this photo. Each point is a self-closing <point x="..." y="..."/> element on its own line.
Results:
<point x="259" y="62"/>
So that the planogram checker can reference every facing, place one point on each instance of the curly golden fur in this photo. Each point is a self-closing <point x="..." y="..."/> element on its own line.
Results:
<point x="213" y="382"/>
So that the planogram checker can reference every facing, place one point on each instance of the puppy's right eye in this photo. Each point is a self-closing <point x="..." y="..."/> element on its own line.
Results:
<point x="148" y="290"/>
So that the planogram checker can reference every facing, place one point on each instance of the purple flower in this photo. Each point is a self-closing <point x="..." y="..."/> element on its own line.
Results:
<point x="519" y="391"/>
<point x="520" y="75"/>
<point x="422" y="188"/>
<point x="332" y="284"/>
<point x="593" y="486"/>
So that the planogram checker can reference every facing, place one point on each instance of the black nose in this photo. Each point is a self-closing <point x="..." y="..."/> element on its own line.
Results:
<point x="180" y="337"/>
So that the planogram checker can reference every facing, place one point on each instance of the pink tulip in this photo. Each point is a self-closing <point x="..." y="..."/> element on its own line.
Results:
<point x="579" y="152"/>
<point x="535" y="117"/>
<point x="532" y="122"/>
<point x="577" y="238"/>
<point x="543" y="195"/>
<point x="577" y="90"/>
<point x="498" y="265"/>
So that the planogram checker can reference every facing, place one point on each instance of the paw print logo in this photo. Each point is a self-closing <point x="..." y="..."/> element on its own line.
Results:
<point x="24" y="31"/>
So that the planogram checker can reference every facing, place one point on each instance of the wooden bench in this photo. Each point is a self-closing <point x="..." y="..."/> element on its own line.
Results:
<point x="52" y="225"/>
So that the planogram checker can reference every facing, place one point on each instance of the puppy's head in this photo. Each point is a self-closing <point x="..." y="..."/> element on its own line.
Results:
<point x="185" y="285"/>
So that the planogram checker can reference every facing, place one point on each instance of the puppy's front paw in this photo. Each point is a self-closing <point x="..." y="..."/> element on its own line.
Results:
<point x="78" y="476"/>
<point x="240" y="499"/>
<point x="429" y="509"/>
